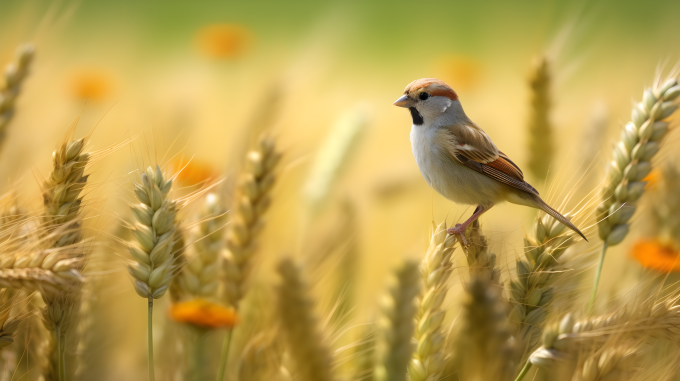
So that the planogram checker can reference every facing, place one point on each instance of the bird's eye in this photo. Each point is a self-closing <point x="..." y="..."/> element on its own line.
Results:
<point x="423" y="96"/>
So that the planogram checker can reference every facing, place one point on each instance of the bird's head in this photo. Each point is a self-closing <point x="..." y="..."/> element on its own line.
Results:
<point x="428" y="99"/>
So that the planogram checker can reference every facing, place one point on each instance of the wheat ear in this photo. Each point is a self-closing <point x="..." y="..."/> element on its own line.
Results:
<point x="49" y="271"/>
<point x="482" y="263"/>
<point x="399" y="312"/>
<point x="435" y="269"/>
<point x="251" y="203"/>
<point x="62" y="200"/>
<point x="639" y="322"/>
<point x="541" y="146"/>
<point x="199" y="277"/>
<point x="631" y="162"/>
<point x="333" y="155"/>
<point x="665" y="207"/>
<point x="153" y="264"/>
<point x="311" y="356"/>
<point x="15" y="73"/>
<point x="606" y="365"/>
<point x="486" y="351"/>
<point x="260" y="360"/>
<point x="9" y="325"/>
<point x="531" y="292"/>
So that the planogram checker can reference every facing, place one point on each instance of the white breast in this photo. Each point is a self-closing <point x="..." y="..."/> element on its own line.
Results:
<point x="447" y="176"/>
<point x="421" y="144"/>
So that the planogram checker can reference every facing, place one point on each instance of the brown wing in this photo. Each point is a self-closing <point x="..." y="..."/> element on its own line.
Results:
<point x="470" y="142"/>
<point x="477" y="154"/>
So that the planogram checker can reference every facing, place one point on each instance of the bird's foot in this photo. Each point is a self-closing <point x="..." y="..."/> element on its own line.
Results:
<point x="460" y="230"/>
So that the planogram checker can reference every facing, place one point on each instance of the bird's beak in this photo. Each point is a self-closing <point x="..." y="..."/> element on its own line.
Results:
<point x="404" y="101"/>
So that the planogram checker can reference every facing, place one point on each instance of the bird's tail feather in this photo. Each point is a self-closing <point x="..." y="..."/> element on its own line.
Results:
<point x="556" y="215"/>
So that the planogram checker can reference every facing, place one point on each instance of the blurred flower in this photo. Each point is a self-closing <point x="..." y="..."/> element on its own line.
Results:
<point x="192" y="172"/>
<point x="90" y="84"/>
<point x="203" y="314"/>
<point x="654" y="255"/>
<point x="652" y="179"/>
<point x="223" y="41"/>
<point x="458" y="71"/>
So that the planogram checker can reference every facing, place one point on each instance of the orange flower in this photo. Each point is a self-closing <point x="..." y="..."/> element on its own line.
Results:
<point x="459" y="72"/>
<point x="90" y="84"/>
<point x="192" y="172"/>
<point x="654" y="255"/>
<point x="203" y="314"/>
<point x="652" y="179"/>
<point x="223" y="41"/>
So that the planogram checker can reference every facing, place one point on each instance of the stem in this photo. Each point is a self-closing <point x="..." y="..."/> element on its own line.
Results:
<point x="198" y="355"/>
<point x="598" y="272"/>
<point x="524" y="371"/>
<point x="60" y="355"/>
<point x="225" y="354"/>
<point x="152" y="373"/>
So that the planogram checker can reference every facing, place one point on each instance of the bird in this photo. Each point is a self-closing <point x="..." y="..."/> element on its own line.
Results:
<point x="459" y="160"/>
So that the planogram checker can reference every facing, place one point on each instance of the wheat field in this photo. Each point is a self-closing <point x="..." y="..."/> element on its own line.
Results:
<point x="231" y="195"/>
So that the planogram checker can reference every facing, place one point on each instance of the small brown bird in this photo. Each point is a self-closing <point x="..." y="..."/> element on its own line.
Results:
<point x="459" y="160"/>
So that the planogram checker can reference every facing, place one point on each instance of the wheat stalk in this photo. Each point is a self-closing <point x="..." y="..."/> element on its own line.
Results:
<point x="62" y="202"/>
<point x="399" y="313"/>
<point x="311" y="356"/>
<point x="15" y="73"/>
<point x="435" y="269"/>
<point x="154" y="264"/>
<point x="631" y="162"/>
<point x="541" y="146"/>
<point x="252" y="201"/>
<point x="531" y="292"/>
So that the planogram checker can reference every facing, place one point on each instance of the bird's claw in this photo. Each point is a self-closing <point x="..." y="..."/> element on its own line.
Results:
<point x="460" y="230"/>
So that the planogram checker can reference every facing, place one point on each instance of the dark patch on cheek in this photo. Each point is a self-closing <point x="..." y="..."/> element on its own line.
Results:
<point x="417" y="118"/>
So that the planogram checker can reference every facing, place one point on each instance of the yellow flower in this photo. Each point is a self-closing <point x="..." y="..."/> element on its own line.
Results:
<point x="203" y="314"/>
<point x="223" y="41"/>
<point x="459" y="72"/>
<point x="90" y="84"/>
<point x="192" y="172"/>
<point x="655" y="255"/>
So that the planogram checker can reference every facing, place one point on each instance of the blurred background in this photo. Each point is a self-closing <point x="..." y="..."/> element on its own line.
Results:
<point x="190" y="81"/>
